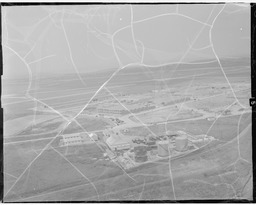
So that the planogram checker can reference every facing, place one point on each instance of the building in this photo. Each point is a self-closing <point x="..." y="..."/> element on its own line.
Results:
<point x="116" y="140"/>
<point x="75" y="139"/>
<point x="163" y="148"/>
<point x="181" y="143"/>
<point x="110" y="154"/>
<point x="94" y="136"/>
<point x="153" y="152"/>
<point x="151" y="143"/>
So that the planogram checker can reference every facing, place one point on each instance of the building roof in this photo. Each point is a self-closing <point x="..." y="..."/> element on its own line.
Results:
<point x="116" y="139"/>
<point x="76" y="136"/>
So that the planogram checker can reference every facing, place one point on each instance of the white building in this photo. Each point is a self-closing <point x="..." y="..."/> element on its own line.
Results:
<point x="94" y="136"/>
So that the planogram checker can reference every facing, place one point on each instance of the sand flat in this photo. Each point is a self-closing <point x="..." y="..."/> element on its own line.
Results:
<point x="12" y="127"/>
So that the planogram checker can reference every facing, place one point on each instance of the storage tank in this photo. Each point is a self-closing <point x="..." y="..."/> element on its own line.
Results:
<point x="163" y="148"/>
<point x="181" y="142"/>
<point x="140" y="154"/>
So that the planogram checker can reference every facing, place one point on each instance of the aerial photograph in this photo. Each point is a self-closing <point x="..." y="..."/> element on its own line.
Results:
<point x="126" y="102"/>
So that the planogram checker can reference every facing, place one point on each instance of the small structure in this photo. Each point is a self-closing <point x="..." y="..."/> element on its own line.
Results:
<point x="169" y="132"/>
<point x="150" y="143"/>
<point x="163" y="148"/>
<point x="181" y="143"/>
<point x="110" y="154"/>
<point x="125" y="130"/>
<point x="153" y="152"/>
<point x="93" y="136"/>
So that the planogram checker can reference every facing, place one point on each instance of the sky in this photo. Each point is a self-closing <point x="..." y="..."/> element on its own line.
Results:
<point x="54" y="40"/>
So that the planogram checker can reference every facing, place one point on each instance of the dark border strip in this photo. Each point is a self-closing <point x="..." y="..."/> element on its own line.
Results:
<point x="253" y="92"/>
<point x="101" y="3"/>
<point x="1" y="119"/>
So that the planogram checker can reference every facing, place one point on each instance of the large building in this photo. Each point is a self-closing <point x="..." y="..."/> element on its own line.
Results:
<point x="116" y="140"/>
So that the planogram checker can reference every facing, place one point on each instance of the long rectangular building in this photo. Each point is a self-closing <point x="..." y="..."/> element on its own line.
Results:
<point x="75" y="139"/>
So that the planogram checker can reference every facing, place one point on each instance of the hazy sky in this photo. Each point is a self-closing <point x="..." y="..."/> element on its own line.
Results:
<point x="68" y="39"/>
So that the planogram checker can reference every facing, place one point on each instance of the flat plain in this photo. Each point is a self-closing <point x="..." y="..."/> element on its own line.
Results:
<point x="38" y="168"/>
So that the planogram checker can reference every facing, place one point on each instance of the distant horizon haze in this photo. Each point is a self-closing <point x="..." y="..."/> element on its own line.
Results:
<point x="55" y="43"/>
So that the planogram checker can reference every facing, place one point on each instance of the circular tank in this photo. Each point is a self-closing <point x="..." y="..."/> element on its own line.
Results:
<point x="181" y="142"/>
<point x="140" y="154"/>
<point x="163" y="148"/>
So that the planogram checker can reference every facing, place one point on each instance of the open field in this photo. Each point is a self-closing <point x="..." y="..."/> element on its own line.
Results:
<point x="165" y="115"/>
<point x="37" y="168"/>
<point x="87" y="124"/>
<point x="217" y="128"/>
<point x="89" y="161"/>
<point x="15" y="126"/>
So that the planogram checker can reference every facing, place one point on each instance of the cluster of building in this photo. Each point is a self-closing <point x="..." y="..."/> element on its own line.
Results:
<point x="201" y="139"/>
<point x="75" y="139"/>
<point x="117" y="121"/>
<point x="125" y="161"/>
<point x="133" y="154"/>
<point x="143" y="153"/>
